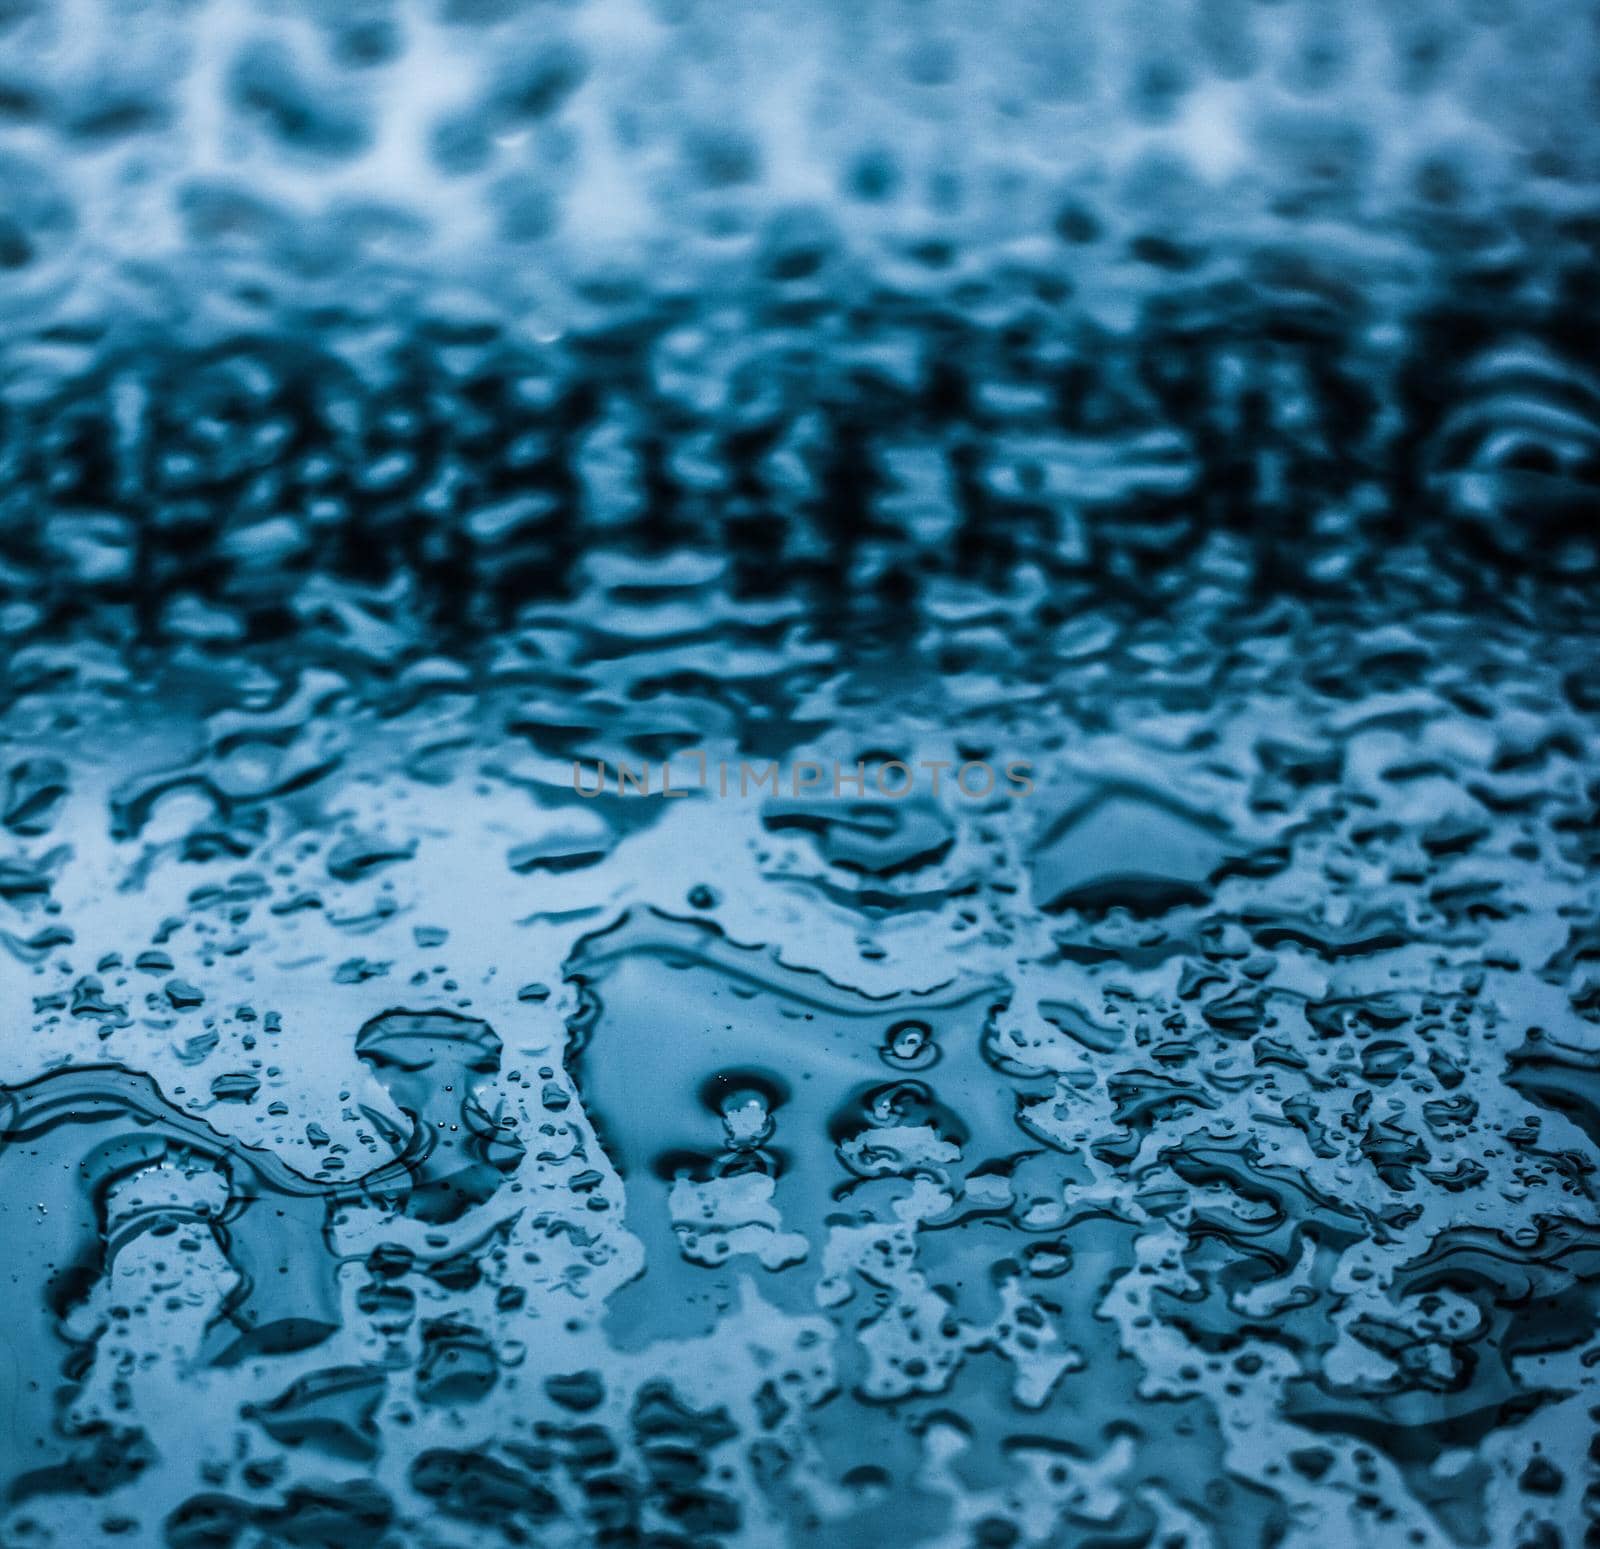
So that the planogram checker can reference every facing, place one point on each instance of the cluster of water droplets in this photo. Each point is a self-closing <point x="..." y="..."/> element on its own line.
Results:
<point x="400" y="405"/>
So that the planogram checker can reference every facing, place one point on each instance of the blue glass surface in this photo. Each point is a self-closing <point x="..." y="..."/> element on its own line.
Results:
<point x="795" y="774"/>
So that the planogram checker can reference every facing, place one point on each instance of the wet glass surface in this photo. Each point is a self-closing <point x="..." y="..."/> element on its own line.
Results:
<point x="412" y="1135"/>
